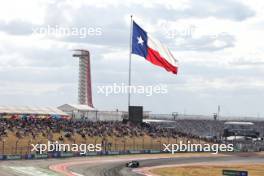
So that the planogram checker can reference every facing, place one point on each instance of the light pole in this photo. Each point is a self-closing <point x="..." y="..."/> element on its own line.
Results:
<point x="175" y="115"/>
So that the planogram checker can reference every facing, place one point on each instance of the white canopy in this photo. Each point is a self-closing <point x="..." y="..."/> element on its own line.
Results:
<point x="74" y="107"/>
<point x="31" y="110"/>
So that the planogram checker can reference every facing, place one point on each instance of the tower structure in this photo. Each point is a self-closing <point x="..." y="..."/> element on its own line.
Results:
<point x="85" y="85"/>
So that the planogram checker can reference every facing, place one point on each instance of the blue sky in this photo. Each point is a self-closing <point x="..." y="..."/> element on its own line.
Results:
<point x="219" y="46"/>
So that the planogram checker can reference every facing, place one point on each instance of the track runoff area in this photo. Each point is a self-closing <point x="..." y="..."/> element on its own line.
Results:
<point x="181" y="164"/>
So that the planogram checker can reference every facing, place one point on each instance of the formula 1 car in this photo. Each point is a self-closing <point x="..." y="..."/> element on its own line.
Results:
<point x="132" y="164"/>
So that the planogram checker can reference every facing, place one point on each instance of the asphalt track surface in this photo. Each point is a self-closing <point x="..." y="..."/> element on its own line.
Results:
<point x="119" y="169"/>
<point x="114" y="165"/>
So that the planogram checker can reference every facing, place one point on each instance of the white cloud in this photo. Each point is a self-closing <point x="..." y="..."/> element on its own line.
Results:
<point x="27" y="10"/>
<point x="222" y="56"/>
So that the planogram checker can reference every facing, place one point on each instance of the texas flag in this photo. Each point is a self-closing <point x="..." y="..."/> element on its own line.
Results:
<point x="152" y="50"/>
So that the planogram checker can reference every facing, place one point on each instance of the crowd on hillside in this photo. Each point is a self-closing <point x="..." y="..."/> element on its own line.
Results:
<point x="47" y="127"/>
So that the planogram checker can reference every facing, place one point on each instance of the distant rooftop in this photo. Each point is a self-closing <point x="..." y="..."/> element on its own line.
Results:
<point x="31" y="110"/>
<point x="70" y="107"/>
<point x="239" y="123"/>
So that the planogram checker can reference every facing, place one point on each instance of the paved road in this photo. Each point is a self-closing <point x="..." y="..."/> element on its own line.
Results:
<point x="118" y="168"/>
<point x="111" y="165"/>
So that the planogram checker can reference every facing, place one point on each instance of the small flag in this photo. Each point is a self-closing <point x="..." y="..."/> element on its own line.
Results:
<point x="152" y="50"/>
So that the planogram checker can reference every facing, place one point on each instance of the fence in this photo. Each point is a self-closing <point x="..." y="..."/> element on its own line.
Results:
<point x="24" y="146"/>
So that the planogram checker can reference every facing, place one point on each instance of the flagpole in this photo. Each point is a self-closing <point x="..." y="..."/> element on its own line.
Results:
<point x="130" y="51"/>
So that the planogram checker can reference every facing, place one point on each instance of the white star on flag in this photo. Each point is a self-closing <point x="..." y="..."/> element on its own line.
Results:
<point x="140" y="40"/>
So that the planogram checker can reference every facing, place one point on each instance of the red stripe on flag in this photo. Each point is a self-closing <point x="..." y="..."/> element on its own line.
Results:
<point x="155" y="58"/>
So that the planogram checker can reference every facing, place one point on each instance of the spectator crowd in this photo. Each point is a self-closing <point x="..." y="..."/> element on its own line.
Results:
<point x="47" y="127"/>
<point x="33" y="127"/>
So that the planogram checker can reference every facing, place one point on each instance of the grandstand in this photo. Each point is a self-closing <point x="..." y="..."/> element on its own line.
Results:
<point x="16" y="135"/>
<point x="22" y="126"/>
<point x="203" y="127"/>
<point x="240" y="131"/>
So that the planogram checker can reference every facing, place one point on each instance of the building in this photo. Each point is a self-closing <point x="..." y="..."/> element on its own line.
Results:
<point x="90" y="113"/>
<point x="85" y="85"/>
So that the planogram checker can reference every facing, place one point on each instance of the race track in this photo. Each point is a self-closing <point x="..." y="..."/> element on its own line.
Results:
<point x="118" y="168"/>
<point x="115" y="165"/>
